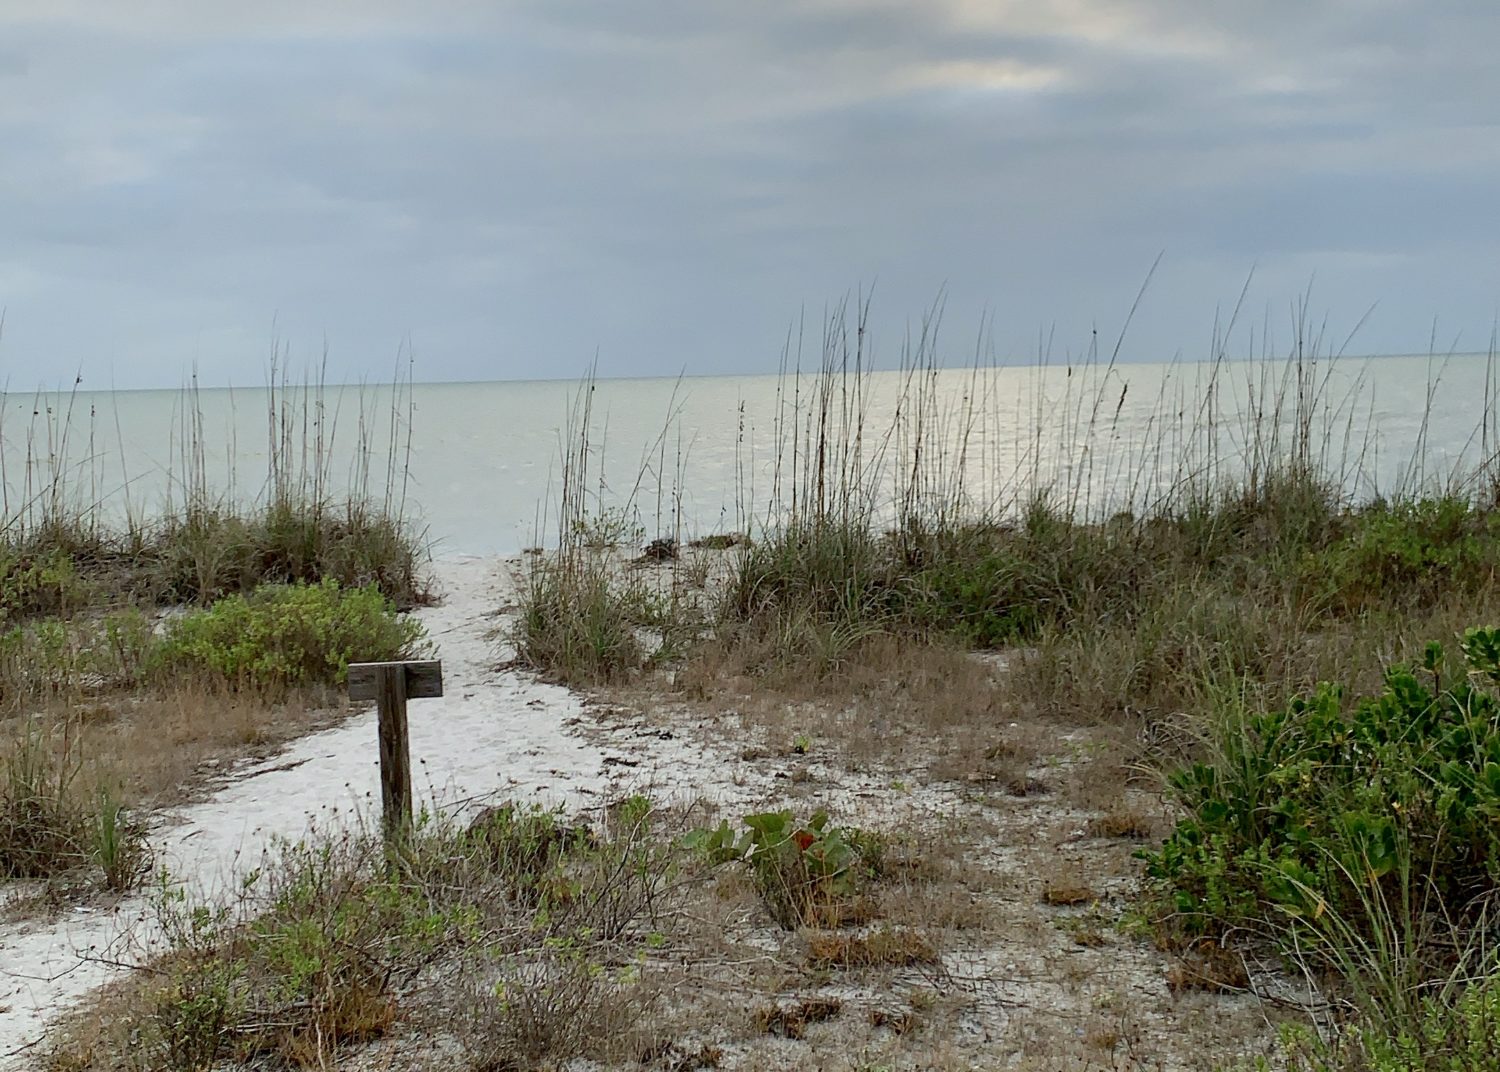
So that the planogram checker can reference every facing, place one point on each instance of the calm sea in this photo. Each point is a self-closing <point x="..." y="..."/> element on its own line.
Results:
<point x="479" y="463"/>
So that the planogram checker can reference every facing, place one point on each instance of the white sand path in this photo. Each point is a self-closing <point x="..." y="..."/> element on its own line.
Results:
<point x="492" y="733"/>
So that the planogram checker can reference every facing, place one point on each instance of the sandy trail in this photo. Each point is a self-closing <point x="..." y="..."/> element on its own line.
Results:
<point x="492" y="733"/>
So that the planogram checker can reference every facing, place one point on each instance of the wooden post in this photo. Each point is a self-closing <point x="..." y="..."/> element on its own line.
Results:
<point x="390" y="685"/>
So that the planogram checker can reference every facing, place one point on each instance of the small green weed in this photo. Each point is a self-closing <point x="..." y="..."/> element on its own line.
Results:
<point x="119" y="846"/>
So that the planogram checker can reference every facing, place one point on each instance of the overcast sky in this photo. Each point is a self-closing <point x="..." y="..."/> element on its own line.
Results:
<point x="512" y="186"/>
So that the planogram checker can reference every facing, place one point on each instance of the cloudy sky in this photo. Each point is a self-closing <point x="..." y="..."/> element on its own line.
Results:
<point x="513" y="186"/>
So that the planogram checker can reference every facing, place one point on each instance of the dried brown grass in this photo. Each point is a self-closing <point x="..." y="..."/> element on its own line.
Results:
<point x="1207" y="965"/>
<point x="1123" y="824"/>
<point x="792" y="1019"/>
<point x="160" y="749"/>
<point x="1062" y="893"/>
<point x="884" y="947"/>
<point x="889" y="700"/>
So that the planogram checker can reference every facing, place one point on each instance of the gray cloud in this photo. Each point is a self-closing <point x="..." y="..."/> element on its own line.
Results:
<point x="515" y="185"/>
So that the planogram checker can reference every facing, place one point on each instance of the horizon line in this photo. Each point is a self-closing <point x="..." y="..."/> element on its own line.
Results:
<point x="79" y="387"/>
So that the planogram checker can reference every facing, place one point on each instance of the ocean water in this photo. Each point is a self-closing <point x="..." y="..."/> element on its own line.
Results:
<point x="480" y="464"/>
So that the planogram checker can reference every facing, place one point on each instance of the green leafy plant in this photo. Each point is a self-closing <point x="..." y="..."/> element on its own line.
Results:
<point x="283" y="635"/>
<point x="1319" y="816"/>
<point x="808" y="874"/>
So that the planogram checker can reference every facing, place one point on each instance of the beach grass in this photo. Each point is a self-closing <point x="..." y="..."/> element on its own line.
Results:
<point x="1226" y="564"/>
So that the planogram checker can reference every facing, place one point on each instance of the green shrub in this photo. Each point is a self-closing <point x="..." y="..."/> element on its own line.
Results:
<point x="1330" y="817"/>
<point x="283" y="635"/>
<point x="1408" y="552"/>
<point x="38" y="583"/>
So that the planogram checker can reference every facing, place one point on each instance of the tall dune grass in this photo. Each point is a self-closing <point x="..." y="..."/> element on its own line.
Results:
<point x="72" y="532"/>
<point x="927" y="502"/>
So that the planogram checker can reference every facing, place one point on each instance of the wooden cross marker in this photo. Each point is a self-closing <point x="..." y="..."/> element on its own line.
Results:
<point x="390" y="685"/>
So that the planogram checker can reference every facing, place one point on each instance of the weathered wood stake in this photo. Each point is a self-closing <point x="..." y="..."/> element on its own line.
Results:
<point x="390" y="685"/>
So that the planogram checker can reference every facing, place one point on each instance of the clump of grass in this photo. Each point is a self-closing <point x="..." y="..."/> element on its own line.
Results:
<point x="1121" y="823"/>
<point x="885" y="947"/>
<point x="586" y="617"/>
<point x="556" y="1003"/>
<point x="211" y="551"/>
<point x="1224" y="545"/>
<point x="1211" y="966"/>
<point x="575" y="622"/>
<point x="44" y="827"/>
<point x="792" y="1020"/>
<point x="118" y="845"/>
<point x="718" y="541"/>
<point x="58" y="824"/>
